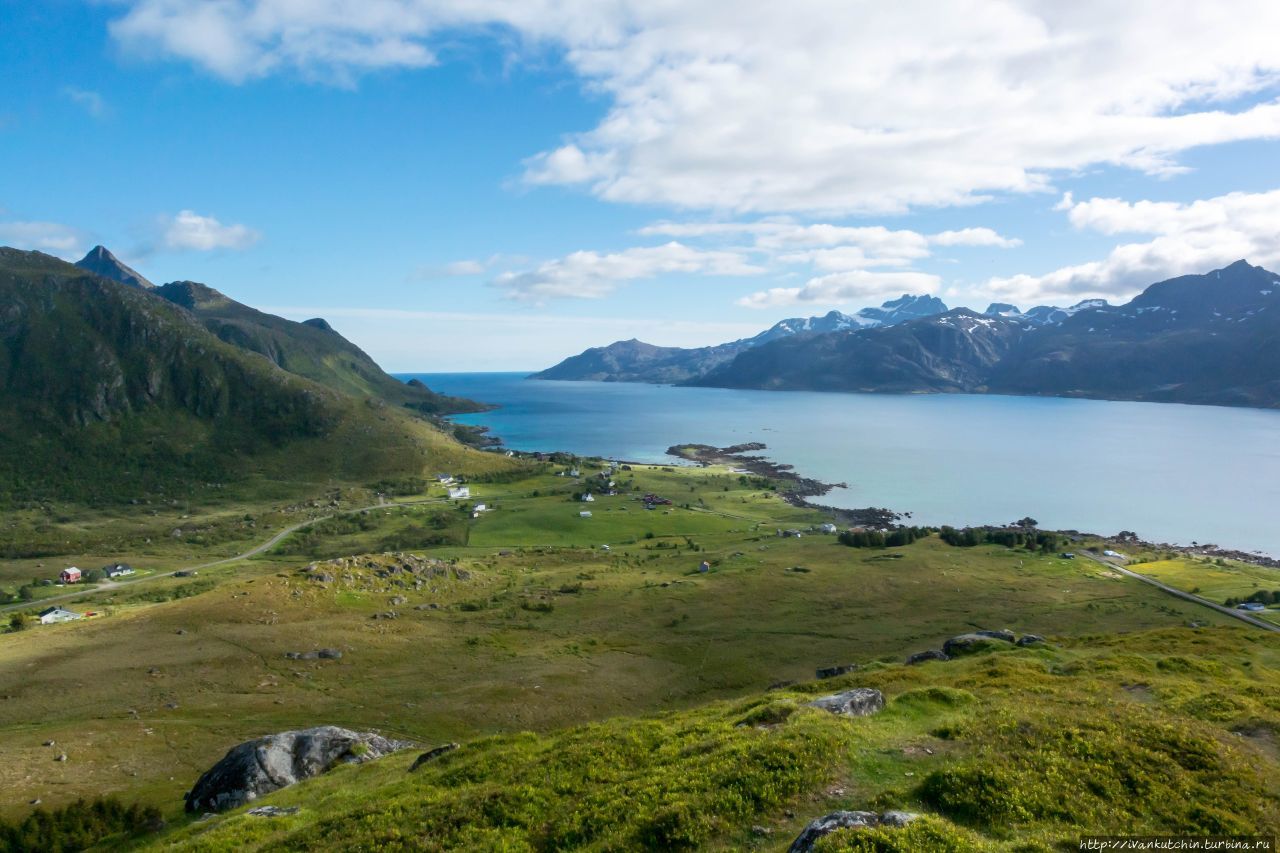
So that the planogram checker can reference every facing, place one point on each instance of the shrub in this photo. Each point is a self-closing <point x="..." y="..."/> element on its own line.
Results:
<point x="77" y="826"/>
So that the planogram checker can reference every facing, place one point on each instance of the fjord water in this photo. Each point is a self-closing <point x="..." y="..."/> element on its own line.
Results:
<point x="1172" y="473"/>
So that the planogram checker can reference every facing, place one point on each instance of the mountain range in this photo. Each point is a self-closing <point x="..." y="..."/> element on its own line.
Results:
<point x="1211" y="338"/>
<point x="637" y="361"/>
<point x="111" y="386"/>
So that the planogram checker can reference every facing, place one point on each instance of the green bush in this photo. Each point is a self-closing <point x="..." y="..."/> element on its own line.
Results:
<point x="77" y="826"/>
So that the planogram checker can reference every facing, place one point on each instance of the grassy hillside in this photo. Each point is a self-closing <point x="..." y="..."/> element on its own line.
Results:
<point x="108" y="393"/>
<point x="311" y="349"/>
<point x="1169" y="731"/>
<point x="543" y="630"/>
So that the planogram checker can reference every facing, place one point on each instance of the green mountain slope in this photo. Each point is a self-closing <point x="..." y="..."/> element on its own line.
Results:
<point x="311" y="349"/>
<point x="109" y="393"/>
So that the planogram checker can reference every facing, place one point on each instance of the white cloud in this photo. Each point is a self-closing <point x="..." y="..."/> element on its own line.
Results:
<point x="845" y="287"/>
<point x="49" y="237"/>
<point x="590" y="275"/>
<point x="91" y="102"/>
<point x="1186" y="238"/>
<point x="468" y="267"/>
<point x="827" y="106"/>
<point x="191" y="231"/>
<point x="974" y="237"/>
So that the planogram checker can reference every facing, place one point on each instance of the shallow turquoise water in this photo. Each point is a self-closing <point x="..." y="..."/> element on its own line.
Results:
<point x="1171" y="473"/>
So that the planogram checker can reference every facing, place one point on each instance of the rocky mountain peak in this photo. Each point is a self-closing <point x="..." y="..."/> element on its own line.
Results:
<point x="101" y="262"/>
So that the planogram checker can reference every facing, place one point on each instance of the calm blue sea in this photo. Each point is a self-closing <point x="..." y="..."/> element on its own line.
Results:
<point x="1172" y="473"/>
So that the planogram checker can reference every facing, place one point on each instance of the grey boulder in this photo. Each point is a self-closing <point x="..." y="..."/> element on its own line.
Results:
<point x="258" y="767"/>
<point x="1030" y="639"/>
<point x="965" y="643"/>
<point x="833" y="671"/>
<point x="930" y="654"/>
<point x="828" y="824"/>
<point x="858" y="702"/>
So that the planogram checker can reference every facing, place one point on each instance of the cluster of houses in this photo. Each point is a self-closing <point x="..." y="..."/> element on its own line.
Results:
<point x="74" y="575"/>
<point x="71" y="574"/>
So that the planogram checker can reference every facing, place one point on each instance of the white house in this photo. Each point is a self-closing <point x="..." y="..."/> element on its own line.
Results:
<point x="481" y="507"/>
<point x="444" y="479"/>
<point x="57" y="614"/>
<point x="828" y="528"/>
<point x="584" y="514"/>
<point x="459" y="493"/>
<point x="587" y="498"/>
<point x="117" y="570"/>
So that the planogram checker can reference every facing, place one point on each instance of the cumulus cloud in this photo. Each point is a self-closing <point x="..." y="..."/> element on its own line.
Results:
<point x="49" y="237"/>
<point x="1185" y="238"/>
<point x="974" y="237"/>
<point x="191" y="231"/>
<point x="590" y="275"/>
<point x="847" y="106"/>
<point x="91" y="102"/>
<point x="844" y="287"/>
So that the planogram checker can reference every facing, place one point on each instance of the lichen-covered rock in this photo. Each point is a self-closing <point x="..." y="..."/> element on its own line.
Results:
<point x="258" y="767"/>
<point x="965" y="643"/>
<point x="1030" y="639"/>
<point x="1006" y="635"/>
<point x="828" y="824"/>
<point x="928" y="655"/>
<point x="858" y="702"/>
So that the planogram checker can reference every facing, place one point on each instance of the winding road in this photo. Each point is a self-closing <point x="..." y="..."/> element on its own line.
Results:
<point x="261" y="548"/>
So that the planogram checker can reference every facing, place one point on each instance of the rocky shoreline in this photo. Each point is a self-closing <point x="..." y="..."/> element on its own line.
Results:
<point x="796" y="490"/>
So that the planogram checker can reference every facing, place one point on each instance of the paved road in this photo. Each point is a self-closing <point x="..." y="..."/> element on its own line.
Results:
<point x="252" y="552"/>
<point x="1226" y="611"/>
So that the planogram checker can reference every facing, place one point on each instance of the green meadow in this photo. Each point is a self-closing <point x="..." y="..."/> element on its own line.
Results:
<point x="537" y="647"/>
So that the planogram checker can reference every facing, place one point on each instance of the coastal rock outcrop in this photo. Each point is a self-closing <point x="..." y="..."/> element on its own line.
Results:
<point x="258" y="767"/>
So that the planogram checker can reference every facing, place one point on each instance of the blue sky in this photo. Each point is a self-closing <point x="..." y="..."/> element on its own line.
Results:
<point x="474" y="186"/>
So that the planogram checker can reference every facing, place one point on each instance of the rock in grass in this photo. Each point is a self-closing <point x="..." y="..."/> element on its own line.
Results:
<point x="1030" y="639"/>
<point x="833" y="671"/>
<point x="273" y="811"/>
<point x="931" y="654"/>
<point x="1006" y="635"/>
<point x="828" y="824"/>
<point x="858" y="702"/>
<point x="432" y="755"/>
<point x="965" y="643"/>
<point x="258" y="767"/>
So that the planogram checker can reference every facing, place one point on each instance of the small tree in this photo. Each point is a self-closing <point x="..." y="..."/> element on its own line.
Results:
<point x="20" y="622"/>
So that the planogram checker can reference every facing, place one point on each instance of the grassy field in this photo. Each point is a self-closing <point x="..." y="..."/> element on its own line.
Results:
<point x="527" y="622"/>
<point x="548" y="630"/>
<point x="1216" y="580"/>
<point x="1170" y="731"/>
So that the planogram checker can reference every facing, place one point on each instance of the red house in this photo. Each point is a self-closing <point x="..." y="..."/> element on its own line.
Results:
<point x="71" y="575"/>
